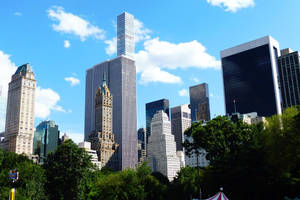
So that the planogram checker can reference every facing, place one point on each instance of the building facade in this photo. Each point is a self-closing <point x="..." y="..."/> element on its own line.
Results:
<point x="180" y="121"/>
<point x="121" y="74"/>
<point x="199" y="102"/>
<point x="92" y="153"/>
<point x="125" y="35"/>
<point x="102" y="138"/>
<point x="289" y="77"/>
<point x="19" y="126"/>
<point x="141" y="135"/>
<point x="151" y="109"/>
<point x="162" y="155"/>
<point x="250" y="77"/>
<point x="45" y="140"/>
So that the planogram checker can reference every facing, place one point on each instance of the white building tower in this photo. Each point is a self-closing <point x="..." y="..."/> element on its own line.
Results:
<point x="19" y="126"/>
<point x="162" y="155"/>
<point x="125" y="35"/>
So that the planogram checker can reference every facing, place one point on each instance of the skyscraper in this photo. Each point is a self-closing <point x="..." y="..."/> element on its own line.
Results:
<point x="180" y="121"/>
<point x="19" y="126"/>
<point x="121" y="74"/>
<point x="199" y="102"/>
<point x="46" y="139"/>
<point x="289" y="76"/>
<point x="125" y="35"/>
<point x="151" y="109"/>
<point x="162" y="155"/>
<point x="141" y="134"/>
<point x="250" y="77"/>
<point x="102" y="138"/>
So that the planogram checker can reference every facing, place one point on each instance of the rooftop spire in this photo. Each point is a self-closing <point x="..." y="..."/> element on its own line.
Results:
<point x="104" y="80"/>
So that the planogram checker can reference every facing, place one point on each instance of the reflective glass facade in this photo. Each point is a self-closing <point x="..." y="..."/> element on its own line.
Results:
<point x="152" y="108"/>
<point x="289" y="76"/>
<point x="248" y="81"/>
<point x="199" y="102"/>
<point x="46" y="138"/>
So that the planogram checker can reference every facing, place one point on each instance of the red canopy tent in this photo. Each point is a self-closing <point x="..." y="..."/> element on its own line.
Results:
<point x="219" y="196"/>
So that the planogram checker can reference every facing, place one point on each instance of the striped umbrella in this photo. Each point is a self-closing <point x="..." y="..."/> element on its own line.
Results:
<point x="219" y="196"/>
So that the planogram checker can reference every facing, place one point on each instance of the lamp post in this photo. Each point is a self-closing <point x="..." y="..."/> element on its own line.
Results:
<point x="14" y="176"/>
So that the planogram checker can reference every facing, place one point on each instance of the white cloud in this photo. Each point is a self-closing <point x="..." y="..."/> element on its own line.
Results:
<point x="18" y="14"/>
<point x="183" y="93"/>
<point x="73" y="24"/>
<point x="46" y="101"/>
<point x="195" y="79"/>
<point x="7" y="69"/>
<point x="67" y="44"/>
<point x="72" y="80"/>
<point x="232" y="5"/>
<point x="112" y="46"/>
<point x="76" y="137"/>
<point x="158" y="55"/>
<point x="140" y="32"/>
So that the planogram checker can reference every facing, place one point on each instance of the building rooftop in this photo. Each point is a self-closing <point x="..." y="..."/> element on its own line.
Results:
<point x="24" y="68"/>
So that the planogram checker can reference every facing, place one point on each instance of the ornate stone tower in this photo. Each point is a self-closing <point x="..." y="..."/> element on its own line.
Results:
<point x="102" y="138"/>
<point x="19" y="127"/>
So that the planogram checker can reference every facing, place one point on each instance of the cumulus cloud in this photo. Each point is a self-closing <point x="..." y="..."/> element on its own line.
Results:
<point x="195" y="79"/>
<point x="7" y="69"/>
<point x="140" y="31"/>
<point x="232" y="5"/>
<point x="73" y="24"/>
<point x="112" y="46"/>
<point x="75" y="136"/>
<point x="183" y="93"/>
<point x="46" y="101"/>
<point x="72" y="80"/>
<point x="158" y="55"/>
<point x="67" y="44"/>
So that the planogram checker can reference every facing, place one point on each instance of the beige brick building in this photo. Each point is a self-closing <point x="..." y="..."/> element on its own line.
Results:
<point x="19" y="126"/>
<point x="102" y="138"/>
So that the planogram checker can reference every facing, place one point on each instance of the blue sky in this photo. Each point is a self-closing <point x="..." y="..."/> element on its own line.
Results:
<point x="178" y="45"/>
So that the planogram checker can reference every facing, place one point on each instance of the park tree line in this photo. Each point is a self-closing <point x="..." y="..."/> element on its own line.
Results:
<point x="249" y="161"/>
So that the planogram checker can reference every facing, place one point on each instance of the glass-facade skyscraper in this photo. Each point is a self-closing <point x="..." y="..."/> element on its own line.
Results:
<point x="289" y="76"/>
<point x="151" y="109"/>
<point x="125" y="35"/>
<point x="199" y="102"/>
<point x="121" y="80"/>
<point x="46" y="139"/>
<point x="250" y="77"/>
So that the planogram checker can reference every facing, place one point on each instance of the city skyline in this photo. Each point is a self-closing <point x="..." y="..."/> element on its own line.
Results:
<point x="62" y="58"/>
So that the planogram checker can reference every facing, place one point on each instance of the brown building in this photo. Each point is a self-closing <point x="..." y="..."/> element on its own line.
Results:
<point x="102" y="138"/>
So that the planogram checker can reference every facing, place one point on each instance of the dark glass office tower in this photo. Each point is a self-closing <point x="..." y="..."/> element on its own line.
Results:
<point x="121" y="80"/>
<point x="250" y="77"/>
<point x="289" y="76"/>
<point x="199" y="102"/>
<point x="151" y="109"/>
<point x="46" y="139"/>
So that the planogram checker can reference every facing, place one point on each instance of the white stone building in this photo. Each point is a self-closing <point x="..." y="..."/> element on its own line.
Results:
<point x="162" y="155"/>
<point x="19" y="126"/>
<point x="92" y="153"/>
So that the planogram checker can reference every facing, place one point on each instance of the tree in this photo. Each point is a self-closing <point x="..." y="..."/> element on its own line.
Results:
<point x="30" y="184"/>
<point x="68" y="172"/>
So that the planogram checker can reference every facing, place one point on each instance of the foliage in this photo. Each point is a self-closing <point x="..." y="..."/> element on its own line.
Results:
<point x="31" y="180"/>
<point x="68" y="172"/>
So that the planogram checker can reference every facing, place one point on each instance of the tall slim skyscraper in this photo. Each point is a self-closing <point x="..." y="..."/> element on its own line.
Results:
<point x="121" y="74"/>
<point x="180" y="121"/>
<point x="46" y="139"/>
<point x="162" y="155"/>
<point x="250" y="77"/>
<point x="151" y="109"/>
<point x="199" y="102"/>
<point x="125" y="33"/>
<point x="102" y="138"/>
<point x="289" y="76"/>
<point x="19" y="127"/>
